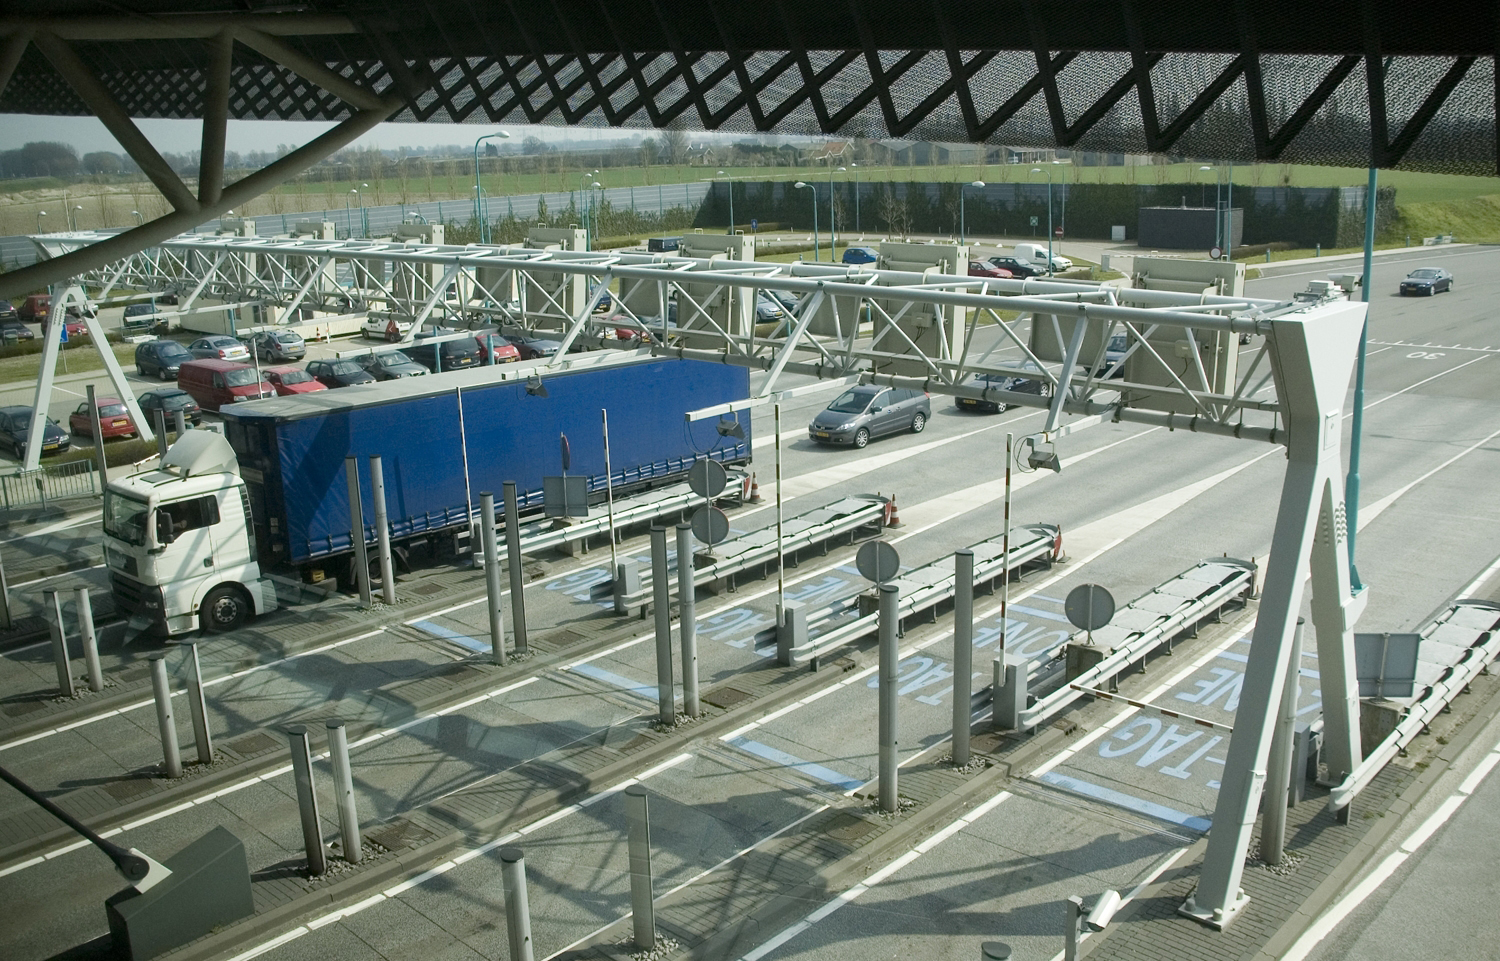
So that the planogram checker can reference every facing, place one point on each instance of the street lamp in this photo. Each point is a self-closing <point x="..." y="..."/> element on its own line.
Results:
<point x="364" y="222"/>
<point x="1223" y="213"/>
<point x="799" y="185"/>
<point x="584" y="198"/>
<point x="479" y="211"/>
<point x="348" y="215"/>
<point x="138" y="218"/>
<point x="39" y="215"/>
<point x="74" y="216"/>
<point x="833" y="237"/>
<point x="1048" y="172"/>
<point x="961" y="224"/>
<point x="731" y="203"/>
<point x="591" y="215"/>
<point x="855" y="167"/>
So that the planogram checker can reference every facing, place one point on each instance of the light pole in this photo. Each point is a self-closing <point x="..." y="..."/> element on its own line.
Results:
<point x="961" y="224"/>
<point x="731" y="203"/>
<point x="833" y="237"/>
<point x="479" y="211"/>
<point x="799" y="185"/>
<point x="1048" y="172"/>
<point x="593" y="221"/>
<point x="73" y="216"/>
<point x="585" y="195"/>
<point x="39" y="215"/>
<point x="348" y="215"/>
<point x="855" y="167"/>
<point x="137" y="215"/>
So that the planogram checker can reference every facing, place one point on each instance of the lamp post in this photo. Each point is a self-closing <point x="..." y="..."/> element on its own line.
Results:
<point x="855" y="167"/>
<point x="1048" y="172"/>
<point x="833" y="237"/>
<point x="479" y="208"/>
<point x="962" y="233"/>
<point x="349" y="215"/>
<point x="593" y="215"/>
<point x="137" y="215"/>
<point x="73" y="216"/>
<point x="585" y="197"/>
<point x="731" y="203"/>
<point x="799" y="185"/>
<point x="1223" y="212"/>
<point x="39" y="215"/>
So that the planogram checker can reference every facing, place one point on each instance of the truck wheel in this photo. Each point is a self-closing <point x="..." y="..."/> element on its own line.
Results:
<point x="861" y="438"/>
<point x="918" y="422"/>
<point x="224" y="609"/>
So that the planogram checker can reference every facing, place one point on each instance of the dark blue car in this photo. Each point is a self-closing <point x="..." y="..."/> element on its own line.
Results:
<point x="861" y="255"/>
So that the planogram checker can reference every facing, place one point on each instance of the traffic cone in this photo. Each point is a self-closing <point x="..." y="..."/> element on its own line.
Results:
<point x="1057" y="547"/>
<point x="754" y="489"/>
<point x="893" y="519"/>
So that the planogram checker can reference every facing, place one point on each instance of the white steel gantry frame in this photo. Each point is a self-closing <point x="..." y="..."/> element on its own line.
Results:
<point x="916" y="328"/>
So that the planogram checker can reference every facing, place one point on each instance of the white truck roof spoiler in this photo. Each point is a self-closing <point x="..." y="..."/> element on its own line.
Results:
<point x="201" y="452"/>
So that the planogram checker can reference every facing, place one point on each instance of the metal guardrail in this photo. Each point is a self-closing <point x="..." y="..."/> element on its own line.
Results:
<point x="758" y="548"/>
<point x="1473" y="626"/>
<point x="1149" y="622"/>
<point x="926" y="587"/>
<point x="641" y="509"/>
<point x="74" y="479"/>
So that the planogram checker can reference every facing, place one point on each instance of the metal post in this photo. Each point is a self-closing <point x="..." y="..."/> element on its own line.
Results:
<point x="517" y="907"/>
<point x="517" y="574"/>
<point x="98" y="435"/>
<point x="963" y="651"/>
<point x="161" y="432"/>
<point x="638" y="834"/>
<point x="198" y="707"/>
<point x="382" y="531"/>
<point x="888" y="658"/>
<point x="1072" y="932"/>
<point x="343" y="790"/>
<point x="780" y="554"/>
<point x="357" y="531"/>
<point x="1357" y="423"/>
<point x="1005" y="548"/>
<point x="5" y="620"/>
<point x="687" y="627"/>
<point x="662" y="605"/>
<point x="162" y="691"/>
<point x="59" y="642"/>
<point x="1008" y="694"/>
<point x="307" y="801"/>
<point x="1279" y="762"/>
<point x="90" y="642"/>
<point x="791" y="631"/>
<point x="609" y="500"/>
<point x="627" y="583"/>
<point x="179" y="422"/>
<point x="492" y="587"/>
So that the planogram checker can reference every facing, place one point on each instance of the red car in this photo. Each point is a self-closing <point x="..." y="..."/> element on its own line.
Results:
<point x="501" y="351"/>
<point x="291" y="380"/>
<point x="76" y="328"/>
<point x="978" y="268"/>
<point x="114" y="419"/>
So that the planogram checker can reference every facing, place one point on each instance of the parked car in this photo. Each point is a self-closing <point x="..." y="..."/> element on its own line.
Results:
<point x="8" y="312"/>
<point x="1114" y="353"/>
<point x="215" y="383"/>
<point x="860" y="255"/>
<point x="1017" y="267"/>
<point x="339" y="373"/>
<point x="1427" y="280"/>
<point x="389" y="365"/>
<point x="114" y="419"/>
<point x="981" y="268"/>
<point x="495" y="349"/>
<point x="861" y="413"/>
<point x="15" y="428"/>
<point x="384" y="327"/>
<point x="76" y="328"/>
<point x="662" y="245"/>
<point x="1036" y="254"/>
<point x="218" y="347"/>
<point x="532" y="347"/>
<point x="1020" y="385"/>
<point x="169" y="400"/>
<point x="278" y="345"/>
<point x="446" y="355"/>
<point x="13" y="330"/>
<point x="606" y="302"/>
<point x="142" y="317"/>
<point x="160" y="358"/>
<point x="768" y="309"/>
<point x="35" y="309"/>
<point x="287" y="381"/>
<point x="786" y="299"/>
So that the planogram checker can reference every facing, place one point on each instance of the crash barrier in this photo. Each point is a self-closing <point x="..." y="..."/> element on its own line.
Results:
<point x="77" y="478"/>
<point x="925" y="588"/>
<point x="1468" y="636"/>
<point x="759" y="549"/>
<point x="1150" y="622"/>
<point x="640" y="509"/>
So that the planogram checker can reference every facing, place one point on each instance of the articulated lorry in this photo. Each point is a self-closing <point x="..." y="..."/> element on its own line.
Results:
<point x="191" y="543"/>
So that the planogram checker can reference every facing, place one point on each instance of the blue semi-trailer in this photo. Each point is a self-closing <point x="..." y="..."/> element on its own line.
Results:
<point x="442" y="440"/>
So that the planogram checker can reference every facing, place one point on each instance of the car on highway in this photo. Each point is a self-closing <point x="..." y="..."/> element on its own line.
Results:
<point x="15" y="428"/>
<point x="114" y="419"/>
<point x="160" y="358"/>
<point x="169" y="400"/>
<point x="862" y="413"/>
<point x="1427" y="281"/>
<point x="389" y="365"/>
<point x="1017" y="266"/>
<point x="278" y="345"/>
<point x="1020" y="385"/>
<point x="339" y="373"/>
<point x="860" y="255"/>
<point x="981" y="268"/>
<point x="218" y="347"/>
<point x="288" y="381"/>
<point x="13" y="330"/>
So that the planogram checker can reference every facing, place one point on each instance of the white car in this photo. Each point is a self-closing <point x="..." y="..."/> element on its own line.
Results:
<point x="383" y="326"/>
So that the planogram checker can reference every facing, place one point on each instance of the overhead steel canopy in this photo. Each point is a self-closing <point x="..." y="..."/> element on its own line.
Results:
<point x="1335" y="82"/>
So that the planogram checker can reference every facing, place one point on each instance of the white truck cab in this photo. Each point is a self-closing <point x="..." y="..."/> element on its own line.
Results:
<point x="179" y="543"/>
<point x="1037" y="254"/>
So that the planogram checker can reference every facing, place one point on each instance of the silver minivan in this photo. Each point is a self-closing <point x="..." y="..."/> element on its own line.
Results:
<point x="861" y="413"/>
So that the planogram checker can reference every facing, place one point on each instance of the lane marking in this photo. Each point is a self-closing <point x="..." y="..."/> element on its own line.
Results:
<point x="637" y="688"/>
<point x="1129" y="802"/>
<point x="1367" y="514"/>
<point x="812" y="769"/>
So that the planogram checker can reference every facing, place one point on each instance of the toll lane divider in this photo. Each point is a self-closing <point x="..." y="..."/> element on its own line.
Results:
<point x="926" y="587"/>
<point x="641" y="509"/>
<point x="1150" y="622"/>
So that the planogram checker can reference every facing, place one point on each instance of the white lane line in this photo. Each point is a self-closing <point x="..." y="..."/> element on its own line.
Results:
<point x="396" y="890"/>
<point x="53" y="577"/>
<point x="62" y="525"/>
<point x="1425" y="380"/>
<point x="1367" y="514"/>
<point x="1341" y="909"/>
<point x="1483" y="350"/>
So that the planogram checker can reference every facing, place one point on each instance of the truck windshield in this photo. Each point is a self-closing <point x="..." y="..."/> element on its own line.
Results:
<point x="125" y="518"/>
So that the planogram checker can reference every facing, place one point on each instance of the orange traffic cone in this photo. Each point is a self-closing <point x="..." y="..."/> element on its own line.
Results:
<point x="893" y="519"/>
<point x="1057" y="547"/>
<point x="754" y="489"/>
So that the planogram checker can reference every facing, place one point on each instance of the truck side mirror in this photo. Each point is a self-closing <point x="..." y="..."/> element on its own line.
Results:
<point x="164" y="535"/>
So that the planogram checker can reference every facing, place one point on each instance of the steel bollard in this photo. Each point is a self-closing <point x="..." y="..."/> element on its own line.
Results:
<point x="55" y="627"/>
<point x="662" y="603"/>
<point x="162" y="691"/>
<point x="963" y="653"/>
<point x="627" y="583"/>
<point x="382" y="531"/>
<point x="687" y="626"/>
<point x="179" y="422"/>
<point x="517" y="571"/>
<point x="791" y="631"/>
<point x="5" y="619"/>
<point x="638" y="839"/>
<point x="89" y="639"/>
<point x="307" y="801"/>
<point x="357" y="531"/>
<point x="343" y="789"/>
<point x="198" y="707"/>
<point x="492" y="588"/>
<point x="517" y="906"/>
<point x="1008" y="696"/>
<point x="888" y="669"/>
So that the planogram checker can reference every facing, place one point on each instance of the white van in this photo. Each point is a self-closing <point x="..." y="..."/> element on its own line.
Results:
<point x="1037" y="254"/>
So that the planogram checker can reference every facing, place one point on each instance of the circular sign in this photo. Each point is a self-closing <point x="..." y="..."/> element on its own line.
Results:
<point x="1215" y="253"/>
<point x="877" y="561"/>
<point x="565" y="450"/>
<point x="707" y="478"/>
<point x="710" y="525"/>
<point x="1089" y="607"/>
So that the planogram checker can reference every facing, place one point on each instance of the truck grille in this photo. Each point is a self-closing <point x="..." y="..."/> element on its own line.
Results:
<point x="135" y="597"/>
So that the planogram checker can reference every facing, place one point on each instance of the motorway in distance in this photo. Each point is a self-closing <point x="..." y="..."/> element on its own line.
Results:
<point x="1137" y="506"/>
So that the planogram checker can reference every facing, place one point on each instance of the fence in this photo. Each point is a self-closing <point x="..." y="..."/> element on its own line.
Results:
<point x="24" y="488"/>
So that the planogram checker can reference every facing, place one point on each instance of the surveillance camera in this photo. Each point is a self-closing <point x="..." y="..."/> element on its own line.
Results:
<point x="1103" y="911"/>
